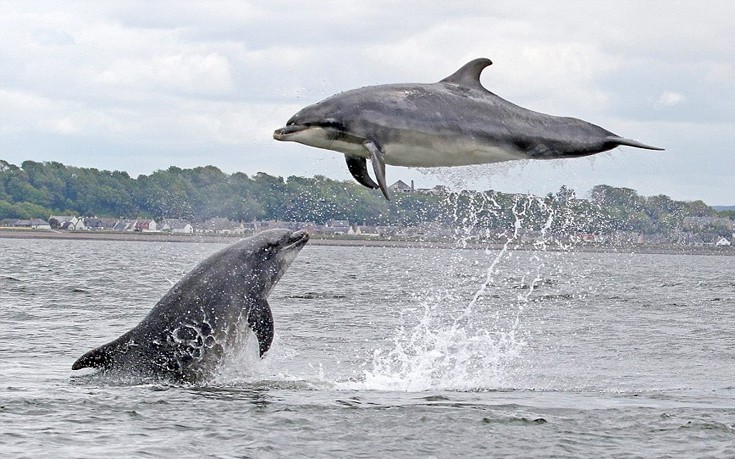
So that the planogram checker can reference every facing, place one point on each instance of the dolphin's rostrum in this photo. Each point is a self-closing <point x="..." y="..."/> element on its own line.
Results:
<point x="206" y="314"/>
<point x="453" y="122"/>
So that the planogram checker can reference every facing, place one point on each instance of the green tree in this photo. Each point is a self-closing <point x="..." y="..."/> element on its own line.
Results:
<point x="38" y="188"/>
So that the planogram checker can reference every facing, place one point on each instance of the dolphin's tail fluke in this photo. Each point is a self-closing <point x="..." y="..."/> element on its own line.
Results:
<point x="631" y="143"/>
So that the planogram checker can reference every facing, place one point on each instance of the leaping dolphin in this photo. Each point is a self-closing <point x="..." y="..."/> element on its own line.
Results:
<point x="454" y="122"/>
<point x="206" y="314"/>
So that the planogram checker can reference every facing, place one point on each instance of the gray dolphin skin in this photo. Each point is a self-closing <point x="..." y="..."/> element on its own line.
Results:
<point x="188" y="332"/>
<point x="454" y="122"/>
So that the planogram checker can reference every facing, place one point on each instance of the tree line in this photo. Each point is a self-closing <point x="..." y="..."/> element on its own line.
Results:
<point x="41" y="189"/>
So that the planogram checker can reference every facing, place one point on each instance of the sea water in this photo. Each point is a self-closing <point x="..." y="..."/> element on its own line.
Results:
<point x="383" y="352"/>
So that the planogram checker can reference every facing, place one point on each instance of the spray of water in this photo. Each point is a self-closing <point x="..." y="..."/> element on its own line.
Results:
<point x="452" y="342"/>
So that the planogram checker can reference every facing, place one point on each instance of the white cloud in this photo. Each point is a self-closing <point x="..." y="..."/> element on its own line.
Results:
<point x="46" y="37"/>
<point x="203" y="74"/>
<point x="145" y="79"/>
<point x="670" y="98"/>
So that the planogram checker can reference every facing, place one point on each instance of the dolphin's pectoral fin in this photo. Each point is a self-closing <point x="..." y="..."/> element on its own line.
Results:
<point x="377" y="157"/>
<point x="96" y="358"/>
<point x="358" y="168"/>
<point x="103" y="356"/>
<point x="260" y="320"/>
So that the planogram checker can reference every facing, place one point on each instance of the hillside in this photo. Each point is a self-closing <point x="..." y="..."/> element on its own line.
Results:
<point x="38" y="190"/>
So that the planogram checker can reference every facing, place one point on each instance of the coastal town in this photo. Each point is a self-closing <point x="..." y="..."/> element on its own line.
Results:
<point x="692" y="234"/>
<point x="53" y="199"/>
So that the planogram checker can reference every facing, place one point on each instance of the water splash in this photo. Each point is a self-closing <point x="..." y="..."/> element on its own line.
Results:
<point x="434" y="354"/>
<point x="243" y="367"/>
<point x="451" y="342"/>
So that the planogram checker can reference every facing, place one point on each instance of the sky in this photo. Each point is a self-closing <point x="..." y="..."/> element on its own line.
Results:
<point x="141" y="86"/>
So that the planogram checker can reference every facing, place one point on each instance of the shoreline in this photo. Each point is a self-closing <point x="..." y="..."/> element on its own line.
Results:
<point x="7" y="233"/>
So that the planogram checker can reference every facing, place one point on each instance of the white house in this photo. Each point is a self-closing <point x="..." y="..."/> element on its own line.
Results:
<point x="222" y="226"/>
<point x="74" y="224"/>
<point x="57" y="221"/>
<point x="185" y="229"/>
<point x="401" y="187"/>
<point x="146" y="226"/>
<point x="123" y="225"/>
<point x="38" y="223"/>
<point x="35" y="223"/>
<point x="177" y="226"/>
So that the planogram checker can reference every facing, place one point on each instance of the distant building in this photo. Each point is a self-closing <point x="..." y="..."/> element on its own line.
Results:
<point x="95" y="223"/>
<point x="145" y="226"/>
<point x="401" y="187"/>
<point x="364" y="230"/>
<point x="124" y="225"/>
<point x="57" y="221"/>
<point x="177" y="226"/>
<point x="35" y="223"/>
<point x="221" y="226"/>
<point x="38" y="223"/>
<point x="63" y="222"/>
<point x="387" y="230"/>
<point x="335" y="227"/>
<point x="261" y="225"/>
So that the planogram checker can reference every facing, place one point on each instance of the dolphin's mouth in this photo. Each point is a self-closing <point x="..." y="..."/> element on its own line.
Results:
<point x="284" y="132"/>
<point x="297" y="240"/>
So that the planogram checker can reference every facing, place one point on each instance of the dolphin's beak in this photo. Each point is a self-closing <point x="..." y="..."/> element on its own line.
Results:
<point x="297" y="239"/>
<point x="286" y="131"/>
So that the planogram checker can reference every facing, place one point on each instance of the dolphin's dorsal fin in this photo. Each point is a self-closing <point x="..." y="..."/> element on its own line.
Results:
<point x="469" y="74"/>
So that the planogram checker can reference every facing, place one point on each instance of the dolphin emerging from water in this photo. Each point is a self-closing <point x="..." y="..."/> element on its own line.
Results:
<point x="454" y="122"/>
<point x="206" y="314"/>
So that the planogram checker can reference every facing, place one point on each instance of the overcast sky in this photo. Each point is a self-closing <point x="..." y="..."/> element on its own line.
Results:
<point x="141" y="86"/>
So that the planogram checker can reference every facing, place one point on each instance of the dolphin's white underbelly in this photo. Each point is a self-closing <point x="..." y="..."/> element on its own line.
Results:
<point x="417" y="149"/>
<point x="444" y="154"/>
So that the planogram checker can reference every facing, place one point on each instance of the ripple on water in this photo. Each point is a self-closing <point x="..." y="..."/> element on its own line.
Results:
<point x="388" y="362"/>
